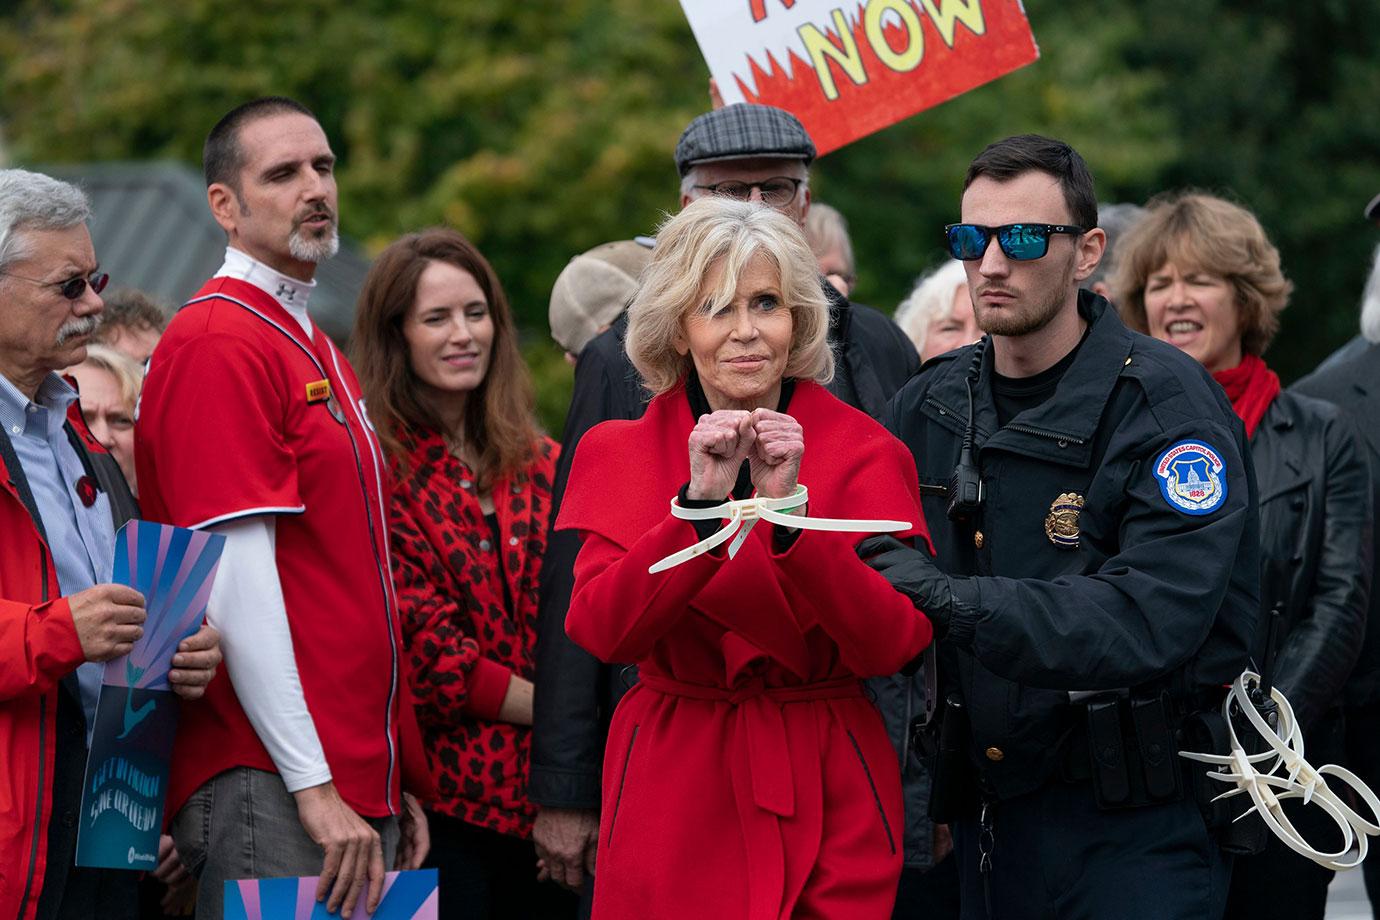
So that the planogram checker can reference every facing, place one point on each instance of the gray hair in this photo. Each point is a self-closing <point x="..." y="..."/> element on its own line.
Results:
<point x="826" y="229"/>
<point x="1370" y="303"/>
<point x="1115" y="220"/>
<point x="704" y="233"/>
<point x="33" y="201"/>
<point x="931" y="299"/>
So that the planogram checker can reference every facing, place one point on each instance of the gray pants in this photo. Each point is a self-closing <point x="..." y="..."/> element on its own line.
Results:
<point x="243" y="824"/>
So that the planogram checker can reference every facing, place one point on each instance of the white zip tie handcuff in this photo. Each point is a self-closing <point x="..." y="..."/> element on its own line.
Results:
<point x="1288" y="776"/>
<point x="743" y="515"/>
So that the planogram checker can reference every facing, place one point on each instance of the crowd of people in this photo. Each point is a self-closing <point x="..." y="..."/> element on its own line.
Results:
<point x="809" y="612"/>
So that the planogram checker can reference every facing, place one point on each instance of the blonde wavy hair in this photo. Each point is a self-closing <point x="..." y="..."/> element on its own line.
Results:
<point x="1201" y="232"/>
<point x="712" y="230"/>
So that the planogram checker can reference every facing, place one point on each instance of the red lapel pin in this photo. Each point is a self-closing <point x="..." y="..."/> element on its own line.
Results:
<point x="86" y="491"/>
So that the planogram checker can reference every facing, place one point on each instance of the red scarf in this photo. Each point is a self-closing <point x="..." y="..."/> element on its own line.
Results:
<point x="1251" y="386"/>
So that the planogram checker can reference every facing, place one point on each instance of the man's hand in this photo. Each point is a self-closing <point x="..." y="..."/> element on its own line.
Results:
<point x="719" y="443"/>
<point x="776" y="453"/>
<point x="354" y="851"/>
<point x="195" y="663"/>
<point x="181" y="892"/>
<point x="914" y="574"/>
<point x="566" y="840"/>
<point x="109" y="620"/>
<point x="415" y="839"/>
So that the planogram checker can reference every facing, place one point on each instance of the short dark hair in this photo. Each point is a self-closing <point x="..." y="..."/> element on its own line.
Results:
<point x="128" y="308"/>
<point x="1009" y="158"/>
<point x="221" y="157"/>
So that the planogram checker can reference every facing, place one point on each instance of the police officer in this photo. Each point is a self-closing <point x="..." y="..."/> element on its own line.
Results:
<point x="1092" y="504"/>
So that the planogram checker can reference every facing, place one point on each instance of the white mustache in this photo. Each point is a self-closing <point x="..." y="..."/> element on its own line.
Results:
<point x="84" y="326"/>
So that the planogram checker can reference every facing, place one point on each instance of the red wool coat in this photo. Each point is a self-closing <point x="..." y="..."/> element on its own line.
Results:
<point x="463" y="643"/>
<point x="746" y="775"/>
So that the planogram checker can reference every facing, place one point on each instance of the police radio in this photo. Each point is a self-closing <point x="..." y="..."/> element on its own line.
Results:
<point x="965" y="486"/>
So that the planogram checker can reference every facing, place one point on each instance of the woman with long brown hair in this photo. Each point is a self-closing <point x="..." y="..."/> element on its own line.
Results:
<point x="436" y="350"/>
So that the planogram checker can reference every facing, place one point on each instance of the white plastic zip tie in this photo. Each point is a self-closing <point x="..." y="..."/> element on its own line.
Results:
<point x="743" y="515"/>
<point x="1289" y="776"/>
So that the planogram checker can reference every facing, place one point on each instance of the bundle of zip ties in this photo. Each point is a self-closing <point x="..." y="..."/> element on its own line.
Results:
<point x="1280" y="772"/>
<point x="743" y="515"/>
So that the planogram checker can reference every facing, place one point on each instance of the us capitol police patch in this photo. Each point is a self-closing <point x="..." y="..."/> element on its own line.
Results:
<point x="1061" y="524"/>
<point x="1191" y="477"/>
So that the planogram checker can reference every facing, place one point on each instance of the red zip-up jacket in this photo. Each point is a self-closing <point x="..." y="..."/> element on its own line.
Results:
<point x="38" y="647"/>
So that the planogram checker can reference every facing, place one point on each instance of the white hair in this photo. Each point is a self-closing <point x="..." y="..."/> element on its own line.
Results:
<point x="33" y="201"/>
<point x="931" y="299"/>
<point x="1370" y="303"/>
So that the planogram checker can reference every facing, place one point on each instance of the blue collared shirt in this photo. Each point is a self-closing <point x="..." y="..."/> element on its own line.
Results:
<point x="81" y="538"/>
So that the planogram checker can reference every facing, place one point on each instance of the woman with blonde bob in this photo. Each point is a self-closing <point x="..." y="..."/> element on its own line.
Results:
<point x="1200" y="273"/>
<point x="746" y="775"/>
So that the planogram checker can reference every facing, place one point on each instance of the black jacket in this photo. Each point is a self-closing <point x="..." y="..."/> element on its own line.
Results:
<point x="1315" y="550"/>
<point x="1353" y="384"/>
<point x="1134" y="593"/>
<point x="575" y="693"/>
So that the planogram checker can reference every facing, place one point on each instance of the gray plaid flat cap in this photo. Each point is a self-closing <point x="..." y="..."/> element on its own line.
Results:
<point x="735" y="132"/>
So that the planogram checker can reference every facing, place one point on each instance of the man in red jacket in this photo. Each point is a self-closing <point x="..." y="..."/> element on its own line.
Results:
<point x="61" y="499"/>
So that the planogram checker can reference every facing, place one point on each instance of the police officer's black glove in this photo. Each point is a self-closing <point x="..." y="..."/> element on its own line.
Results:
<point x="914" y="574"/>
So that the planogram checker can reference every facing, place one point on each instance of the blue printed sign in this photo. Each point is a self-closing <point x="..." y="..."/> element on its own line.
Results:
<point x="136" y="716"/>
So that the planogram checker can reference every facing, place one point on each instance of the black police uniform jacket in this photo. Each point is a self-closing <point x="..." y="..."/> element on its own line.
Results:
<point x="1131" y="591"/>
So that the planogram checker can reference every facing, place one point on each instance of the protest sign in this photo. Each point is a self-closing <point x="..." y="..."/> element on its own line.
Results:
<point x="136" y="715"/>
<point x="847" y="68"/>
<point x="406" y="896"/>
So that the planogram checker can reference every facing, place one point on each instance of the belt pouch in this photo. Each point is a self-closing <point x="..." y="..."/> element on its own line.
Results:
<point x="1111" y="785"/>
<point x="1159" y="765"/>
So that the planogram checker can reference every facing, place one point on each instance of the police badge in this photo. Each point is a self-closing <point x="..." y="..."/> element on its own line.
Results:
<point x="1192" y="477"/>
<point x="1061" y="524"/>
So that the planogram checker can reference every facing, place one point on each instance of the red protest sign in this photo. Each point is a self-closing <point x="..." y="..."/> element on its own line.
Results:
<point x="847" y="68"/>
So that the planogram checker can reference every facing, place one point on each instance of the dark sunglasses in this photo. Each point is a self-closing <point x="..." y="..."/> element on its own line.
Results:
<point x="73" y="287"/>
<point x="1020" y="242"/>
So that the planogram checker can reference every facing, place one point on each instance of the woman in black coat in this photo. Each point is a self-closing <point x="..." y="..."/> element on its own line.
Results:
<point x="1200" y="273"/>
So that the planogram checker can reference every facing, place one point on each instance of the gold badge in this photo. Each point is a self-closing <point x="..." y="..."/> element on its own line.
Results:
<point x="318" y="391"/>
<point x="1061" y="524"/>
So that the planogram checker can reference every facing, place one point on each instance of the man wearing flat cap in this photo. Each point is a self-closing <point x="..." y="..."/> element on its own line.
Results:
<point x="1350" y="378"/>
<point x="747" y="152"/>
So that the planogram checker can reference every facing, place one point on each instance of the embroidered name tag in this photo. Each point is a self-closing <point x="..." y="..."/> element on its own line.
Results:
<point x="318" y="391"/>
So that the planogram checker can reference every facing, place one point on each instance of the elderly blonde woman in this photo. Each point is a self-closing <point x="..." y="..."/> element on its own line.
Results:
<point x="109" y="385"/>
<point x="938" y="313"/>
<point x="1200" y="273"/>
<point x="747" y="776"/>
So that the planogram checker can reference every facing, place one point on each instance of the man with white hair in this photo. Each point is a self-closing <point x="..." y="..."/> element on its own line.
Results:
<point x="251" y="424"/>
<point x="61" y="500"/>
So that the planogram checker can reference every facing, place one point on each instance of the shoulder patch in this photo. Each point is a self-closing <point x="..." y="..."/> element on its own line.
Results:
<point x="1192" y="477"/>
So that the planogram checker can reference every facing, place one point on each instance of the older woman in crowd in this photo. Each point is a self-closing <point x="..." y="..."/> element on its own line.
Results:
<point x="436" y="350"/>
<point x="747" y="775"/>
<point x="938" y="313"/>
<point x="1200" y="273"/>
<point x="109" y="384"/>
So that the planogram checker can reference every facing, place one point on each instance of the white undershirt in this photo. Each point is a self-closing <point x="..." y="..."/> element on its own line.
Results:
<point x="246" y="602"/>
<point x="291" y="294"/>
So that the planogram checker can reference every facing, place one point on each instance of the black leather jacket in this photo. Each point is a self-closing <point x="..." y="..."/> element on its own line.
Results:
<point x="1315" y="547"/>
<point x="1350" y="379"/>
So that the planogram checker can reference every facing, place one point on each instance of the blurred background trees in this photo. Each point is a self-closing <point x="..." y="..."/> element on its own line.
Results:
<point x="540" y="129"/>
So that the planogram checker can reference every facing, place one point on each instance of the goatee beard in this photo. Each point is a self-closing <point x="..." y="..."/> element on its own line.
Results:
<point x="307" y="249"/>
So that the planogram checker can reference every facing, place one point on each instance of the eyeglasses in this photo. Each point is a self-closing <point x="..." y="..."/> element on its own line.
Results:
<point x="1020" y="242"/>
<point x="73" y="287"/>
<point x="775" y="192"/>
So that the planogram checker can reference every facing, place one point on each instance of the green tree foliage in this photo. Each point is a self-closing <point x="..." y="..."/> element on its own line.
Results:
<point x="541" y="129"/>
